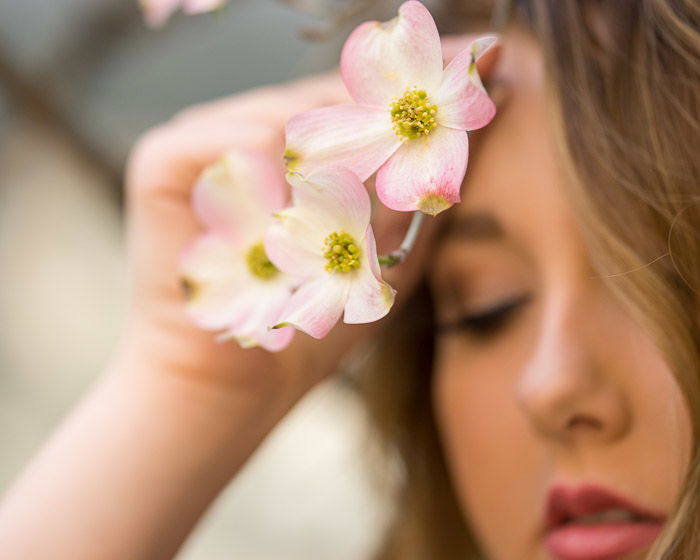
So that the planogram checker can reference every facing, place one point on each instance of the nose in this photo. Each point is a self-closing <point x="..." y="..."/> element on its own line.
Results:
<point x="567" y="387"/>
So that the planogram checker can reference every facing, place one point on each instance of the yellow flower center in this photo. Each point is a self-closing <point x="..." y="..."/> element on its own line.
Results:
<point x="190" y="288"/>
<point x="258" y="263"/>
<point x="341" y="252"/>
<point x="413" y="116"/>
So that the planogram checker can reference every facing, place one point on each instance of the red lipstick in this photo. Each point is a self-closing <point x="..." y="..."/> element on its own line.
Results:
<point x="592" y="523"/>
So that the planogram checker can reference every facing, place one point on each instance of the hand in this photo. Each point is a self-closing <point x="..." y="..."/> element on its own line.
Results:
<point x="161" y="172"/>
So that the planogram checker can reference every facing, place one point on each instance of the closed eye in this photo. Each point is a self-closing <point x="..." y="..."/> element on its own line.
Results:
<point x="487" y="323"/>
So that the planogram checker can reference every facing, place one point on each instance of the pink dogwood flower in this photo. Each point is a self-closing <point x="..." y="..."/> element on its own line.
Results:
<point x="230" y="283"/>
<point x="411" y="116"/>
<point x="326" y="237"/>
<point x="157" y="12"/>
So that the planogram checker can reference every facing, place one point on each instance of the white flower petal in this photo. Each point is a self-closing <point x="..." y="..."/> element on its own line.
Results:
<point x="294" y="242"/>
<point x="157" y="12"/>
<point x="369" y="298"/>
<point x="462" y="102"/>
<point x="238" y="194"/>
<point x="201" y="6"/>
<point x="357" y="137"/>
<point x="253" y="328"/>
<point x="336" y="196"/>
<point x="381" y="60"/>
<point x="214" y="274"/>
<point x="425" y="174"/>
<point x="317" y="305"/>
<point x="272" y="340"/>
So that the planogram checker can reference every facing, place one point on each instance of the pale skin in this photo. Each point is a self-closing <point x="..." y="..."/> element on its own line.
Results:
<point x="570" y="389"/>
<point x="175" y="415"/>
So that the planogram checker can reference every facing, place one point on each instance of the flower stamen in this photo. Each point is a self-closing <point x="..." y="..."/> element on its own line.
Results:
<point x="413" y="116"/>
<point x="341" y="252"/>
<point x="258" y="264"/>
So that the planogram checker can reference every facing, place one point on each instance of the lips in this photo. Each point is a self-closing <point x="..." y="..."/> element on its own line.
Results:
<point x="591" y="523"/>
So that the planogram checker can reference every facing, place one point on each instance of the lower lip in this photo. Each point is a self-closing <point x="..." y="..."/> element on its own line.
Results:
<point x="600" y="542"/>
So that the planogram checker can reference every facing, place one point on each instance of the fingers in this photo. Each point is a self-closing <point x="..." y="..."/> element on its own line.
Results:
<point x="167" y="161"/>
<point x="170" y="157"/>
<point x="274" y="105"/>
<point x="161" y="173"/>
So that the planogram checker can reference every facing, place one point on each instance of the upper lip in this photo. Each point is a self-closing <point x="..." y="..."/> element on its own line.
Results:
<point x="567" y="502"/>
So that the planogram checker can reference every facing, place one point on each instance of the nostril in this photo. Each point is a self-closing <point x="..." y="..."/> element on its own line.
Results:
<point x="584" y="421"/>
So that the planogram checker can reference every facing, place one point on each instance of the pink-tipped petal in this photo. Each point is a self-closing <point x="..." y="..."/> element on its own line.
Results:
<point x="354" y="136"/>
<point x="426" y="173"/>
<point x="238" y="193"/>
<point x="317" y="305"/>
<point x="381" y="60"/>
<point x="260" y="177"/>
<point x="272" y="340"/>
<point x="221" y="294"/>
<point x="369" y="298"/>
<point x="462" y="102"/>
<point x="201" y="6"/>
<point x="266" y="303"/>
<point x="157" y="12"/>
<point x="336" y="195"/>
<point x="480" y="45"/>
<point x="294" y="242"/>
<point x="213" y="275"/>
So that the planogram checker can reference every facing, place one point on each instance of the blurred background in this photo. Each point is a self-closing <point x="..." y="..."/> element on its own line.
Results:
<point x="80" y="80"/>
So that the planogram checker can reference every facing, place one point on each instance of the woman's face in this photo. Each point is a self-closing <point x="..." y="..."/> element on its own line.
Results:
<point x="565" y="432"/>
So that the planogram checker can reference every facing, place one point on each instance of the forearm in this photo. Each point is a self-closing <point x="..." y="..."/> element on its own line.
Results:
<point x="131" y="470"/>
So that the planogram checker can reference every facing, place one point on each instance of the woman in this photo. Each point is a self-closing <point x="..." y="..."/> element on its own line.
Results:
<point x="550" y="410"/>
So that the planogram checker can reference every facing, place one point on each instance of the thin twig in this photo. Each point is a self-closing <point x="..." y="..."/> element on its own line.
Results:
<point x="398" y="256"/>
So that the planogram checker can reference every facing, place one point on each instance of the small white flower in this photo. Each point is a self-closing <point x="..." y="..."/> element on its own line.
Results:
<point x="157" y="12"/>
<point x="326" y="238"/>
<point x="229" y="281"/>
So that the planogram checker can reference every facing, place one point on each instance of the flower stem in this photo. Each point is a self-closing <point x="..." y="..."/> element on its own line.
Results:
<point x="398" y="256"/>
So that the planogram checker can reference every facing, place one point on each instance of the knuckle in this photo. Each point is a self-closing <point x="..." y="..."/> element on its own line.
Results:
<point x="194" y="112"/>
<point x="151" y="141"/>
<point x="151" y="146"/>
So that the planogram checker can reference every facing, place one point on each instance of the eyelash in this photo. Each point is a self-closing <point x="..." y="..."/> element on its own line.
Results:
<point x="488" y="323"/>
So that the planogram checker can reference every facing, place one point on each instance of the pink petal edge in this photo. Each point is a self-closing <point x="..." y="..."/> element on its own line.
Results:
<point x="205" y="265"/>
<point x="274" y="340"/>
<point x="337" y="196"/>
<point x="201" y="6"/>
<point x="317" y="305"/>
<point x="358" y="137"/>
<point x="238" y="193"/>
<point x="380" y="61"/>
<point x="369" y="298"/>
<point x="462" y="102"/>
<point x="425" y="174"/>
<point x="157" y="12"/>
<point x="294" y="243"/>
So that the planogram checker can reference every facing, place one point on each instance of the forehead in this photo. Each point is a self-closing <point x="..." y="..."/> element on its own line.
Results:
<point x="514" y="173"/>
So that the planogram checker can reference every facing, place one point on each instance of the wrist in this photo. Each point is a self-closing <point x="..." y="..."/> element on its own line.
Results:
<point x="220" y="374"/>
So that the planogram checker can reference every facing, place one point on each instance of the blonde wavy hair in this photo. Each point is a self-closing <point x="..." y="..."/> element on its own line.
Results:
<point x="624" y="81"/>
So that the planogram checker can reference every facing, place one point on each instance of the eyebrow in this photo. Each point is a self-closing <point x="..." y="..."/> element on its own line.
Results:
<point x="478" y="226"/>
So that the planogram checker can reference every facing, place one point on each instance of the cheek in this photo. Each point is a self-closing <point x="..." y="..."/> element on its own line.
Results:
<point x="662" y="439"/>
<point x="497" y="467"/>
